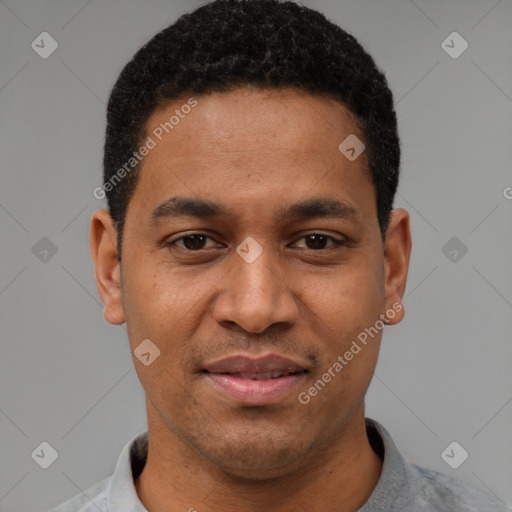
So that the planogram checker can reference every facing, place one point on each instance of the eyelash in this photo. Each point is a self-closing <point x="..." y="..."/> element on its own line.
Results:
<point x="335" y="241"/>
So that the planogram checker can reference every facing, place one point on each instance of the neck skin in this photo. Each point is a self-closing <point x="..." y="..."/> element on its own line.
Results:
<point x="177" y="478"/>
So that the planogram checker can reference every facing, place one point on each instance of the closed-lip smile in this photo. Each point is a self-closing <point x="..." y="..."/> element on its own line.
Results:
<point x="250" y="380"/>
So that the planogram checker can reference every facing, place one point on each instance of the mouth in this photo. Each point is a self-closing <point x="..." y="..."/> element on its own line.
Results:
<point x="249" y="381"/>
<point x="261" y="376"/>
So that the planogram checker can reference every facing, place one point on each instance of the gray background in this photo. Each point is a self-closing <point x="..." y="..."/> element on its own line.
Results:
<point x="66" y="376"/>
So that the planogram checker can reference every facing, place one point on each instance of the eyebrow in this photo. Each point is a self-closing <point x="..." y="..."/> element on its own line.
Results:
<point x="186" y="207"/>
<point x="319" y="207"/>
<point x="175" y="207"/>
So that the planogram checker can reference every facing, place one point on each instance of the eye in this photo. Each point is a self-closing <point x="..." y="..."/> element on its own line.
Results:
<point x="193" y="242"/>
<point x="318" y="241"/>
<point x="198" y="241"/>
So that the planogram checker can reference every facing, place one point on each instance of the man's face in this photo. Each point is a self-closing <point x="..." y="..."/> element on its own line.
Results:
<point x="303" y="287"/>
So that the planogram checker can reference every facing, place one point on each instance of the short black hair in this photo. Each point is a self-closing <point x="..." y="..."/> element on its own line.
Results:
<point x="227" y="44"/>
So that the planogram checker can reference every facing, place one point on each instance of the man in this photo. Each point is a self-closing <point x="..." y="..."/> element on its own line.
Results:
<point x="251" y="161"/>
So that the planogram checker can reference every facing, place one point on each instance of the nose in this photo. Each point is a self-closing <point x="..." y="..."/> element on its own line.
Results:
<point x="255" y="296"/>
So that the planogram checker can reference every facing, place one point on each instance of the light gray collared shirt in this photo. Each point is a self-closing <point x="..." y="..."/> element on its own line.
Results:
<point x="402" y="486"/>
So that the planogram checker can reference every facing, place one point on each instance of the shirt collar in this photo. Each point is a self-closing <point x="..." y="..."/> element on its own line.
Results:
<point x="393" y="475"/>
<point x="122" y="495"/>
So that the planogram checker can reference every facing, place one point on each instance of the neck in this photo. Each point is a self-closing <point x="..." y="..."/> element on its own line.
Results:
<point x="177" y="478"/>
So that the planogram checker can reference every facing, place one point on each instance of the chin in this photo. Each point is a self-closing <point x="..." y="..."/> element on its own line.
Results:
<point x="253" y="458"/>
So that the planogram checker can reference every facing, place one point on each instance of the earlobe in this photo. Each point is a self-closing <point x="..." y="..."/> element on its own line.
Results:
<point x="397" y="252"/>
<point x="103" y="237"/>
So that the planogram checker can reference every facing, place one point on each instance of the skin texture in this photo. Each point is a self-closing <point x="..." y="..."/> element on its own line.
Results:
<point x="254" y="152"/>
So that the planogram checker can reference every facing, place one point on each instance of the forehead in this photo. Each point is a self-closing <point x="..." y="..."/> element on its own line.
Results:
<point x="251" y="145"/>
<point x="244" y="119"/>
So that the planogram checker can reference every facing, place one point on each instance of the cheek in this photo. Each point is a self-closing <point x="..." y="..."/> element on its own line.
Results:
<point x="344" y="313"/>
<point x="166" y="309"/>
<point x="152" y="299"/>
<point x="349" y="300"/>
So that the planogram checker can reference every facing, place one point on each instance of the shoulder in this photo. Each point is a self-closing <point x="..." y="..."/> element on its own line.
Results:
<point x="93" y="499"/>
<point x="435" y="491"/>
<point x="408" y="487"/>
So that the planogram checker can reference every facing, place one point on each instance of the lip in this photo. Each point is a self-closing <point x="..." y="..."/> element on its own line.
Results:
<point x="233" y="378"/>
<point x="246" y="364"/>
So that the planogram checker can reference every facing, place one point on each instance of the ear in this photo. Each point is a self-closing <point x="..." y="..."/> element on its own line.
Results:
<point x="103" y="241"/>
<point x="397" y="252"/>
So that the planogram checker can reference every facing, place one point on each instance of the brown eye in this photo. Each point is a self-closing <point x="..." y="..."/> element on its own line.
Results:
<point x="318" y="241"/>
<point x="193" y="242"/>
